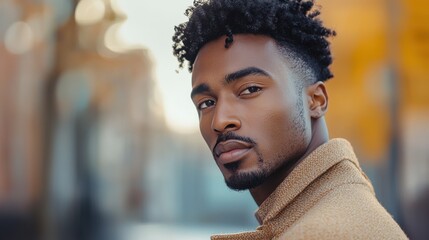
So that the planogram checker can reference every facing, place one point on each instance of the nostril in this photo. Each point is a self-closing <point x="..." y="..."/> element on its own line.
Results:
<point x="229" y="126"/>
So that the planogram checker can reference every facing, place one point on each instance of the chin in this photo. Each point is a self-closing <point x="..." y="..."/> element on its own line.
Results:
<point x="243" y="180"/>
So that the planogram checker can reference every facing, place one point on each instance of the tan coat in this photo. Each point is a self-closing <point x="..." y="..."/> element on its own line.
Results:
<point x="327" y="196"/>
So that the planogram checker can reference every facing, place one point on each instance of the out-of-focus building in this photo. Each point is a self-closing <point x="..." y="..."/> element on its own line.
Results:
<point x="105" y="113"/>
<point x="24" y="65"/>
<point x="26" y="37"/>
<point x="77" y="120"/>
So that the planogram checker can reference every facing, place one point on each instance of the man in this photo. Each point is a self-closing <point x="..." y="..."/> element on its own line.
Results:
<point x="258" y="72"/>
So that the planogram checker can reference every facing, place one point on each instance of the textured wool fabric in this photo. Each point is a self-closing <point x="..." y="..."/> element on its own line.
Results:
<point x="327" y="196"/>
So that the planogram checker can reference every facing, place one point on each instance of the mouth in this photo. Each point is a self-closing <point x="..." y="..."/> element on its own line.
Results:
<point x="231" y="151"/>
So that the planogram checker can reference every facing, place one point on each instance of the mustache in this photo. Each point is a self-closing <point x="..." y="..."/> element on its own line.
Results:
<point x="229" y="136"/>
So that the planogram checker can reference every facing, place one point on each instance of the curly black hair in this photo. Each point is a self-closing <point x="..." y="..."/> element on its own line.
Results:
<point x="293" y="24"/>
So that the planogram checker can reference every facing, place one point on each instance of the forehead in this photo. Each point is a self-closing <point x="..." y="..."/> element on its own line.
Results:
<point x="214" y="61"/>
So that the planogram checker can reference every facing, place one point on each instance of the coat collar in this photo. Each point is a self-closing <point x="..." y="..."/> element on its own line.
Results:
<point x="314" y="165"/>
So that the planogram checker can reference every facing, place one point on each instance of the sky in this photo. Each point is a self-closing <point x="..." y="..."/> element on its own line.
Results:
<point x="151" y="24"/>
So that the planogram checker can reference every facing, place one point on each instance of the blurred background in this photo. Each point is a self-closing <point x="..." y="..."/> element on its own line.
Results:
<point x="99" y="138"/>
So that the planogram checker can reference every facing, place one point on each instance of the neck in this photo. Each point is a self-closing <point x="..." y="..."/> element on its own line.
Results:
<point x="319" y="136"/>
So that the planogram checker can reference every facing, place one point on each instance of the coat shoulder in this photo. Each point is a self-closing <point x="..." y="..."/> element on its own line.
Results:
<point x="349" y="211"/>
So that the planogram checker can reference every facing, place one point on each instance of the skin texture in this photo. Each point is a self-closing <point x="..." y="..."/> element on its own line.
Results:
<point x="255" y="111"/>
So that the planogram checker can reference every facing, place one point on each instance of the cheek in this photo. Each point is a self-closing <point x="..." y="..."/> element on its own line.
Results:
<point x="268" y="114"/>
<point x="279" y="128"/>
<point x="279" y="133"/>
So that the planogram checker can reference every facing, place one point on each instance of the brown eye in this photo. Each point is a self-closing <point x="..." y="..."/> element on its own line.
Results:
<point x="206" y="104"/>
<point x="250" y="90"/>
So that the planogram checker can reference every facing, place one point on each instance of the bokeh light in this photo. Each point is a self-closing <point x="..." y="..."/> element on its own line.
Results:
<point x="19" y="38"/>
<point x="89" y="11"/>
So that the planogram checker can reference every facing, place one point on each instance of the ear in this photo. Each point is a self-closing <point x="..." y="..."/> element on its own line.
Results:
<point x="317" y="99"/>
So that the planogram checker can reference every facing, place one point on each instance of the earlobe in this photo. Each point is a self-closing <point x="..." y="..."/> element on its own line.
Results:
<point x="318" y="99"/>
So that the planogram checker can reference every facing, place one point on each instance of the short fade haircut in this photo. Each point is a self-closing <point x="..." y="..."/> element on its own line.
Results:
<point x="293" y="24"/>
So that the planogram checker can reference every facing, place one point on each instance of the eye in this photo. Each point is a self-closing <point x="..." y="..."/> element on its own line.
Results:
<point x="206" y="104"/>
<point x="250" y="90"/>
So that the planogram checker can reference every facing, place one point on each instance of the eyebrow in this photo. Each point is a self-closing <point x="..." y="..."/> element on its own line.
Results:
<point x="244" y="73"/>
<point x="200" y="89"/>
<point x="229" y="78"/>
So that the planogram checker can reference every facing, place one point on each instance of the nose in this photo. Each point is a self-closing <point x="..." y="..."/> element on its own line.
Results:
<point x="225" y="118"/>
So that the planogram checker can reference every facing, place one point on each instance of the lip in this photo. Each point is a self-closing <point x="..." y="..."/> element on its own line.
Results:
<point x="231" y="151"/>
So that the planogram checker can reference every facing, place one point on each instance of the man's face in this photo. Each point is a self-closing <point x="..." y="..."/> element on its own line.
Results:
<point x="253" y="116"/>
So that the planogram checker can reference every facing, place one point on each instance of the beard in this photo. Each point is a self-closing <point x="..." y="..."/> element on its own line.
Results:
<point x="246" y="180"/>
